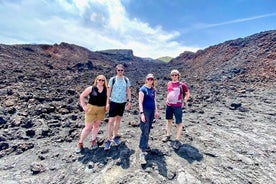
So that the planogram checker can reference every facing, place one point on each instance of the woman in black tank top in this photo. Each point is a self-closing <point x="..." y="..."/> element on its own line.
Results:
<point x="94" y="110"/>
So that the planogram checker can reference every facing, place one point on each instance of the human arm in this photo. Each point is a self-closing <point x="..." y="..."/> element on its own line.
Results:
<point x="187" y="96"/>
<point x="141" y="110"/>
<point x="108" y="93"/>
<point x="128" y="90"/>
<point x="83" y="95"/>
<point x="156" y="108"/>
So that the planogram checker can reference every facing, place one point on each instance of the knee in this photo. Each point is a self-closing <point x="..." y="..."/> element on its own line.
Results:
<point x="87" y="129"/>
<point x="96" y="126"/>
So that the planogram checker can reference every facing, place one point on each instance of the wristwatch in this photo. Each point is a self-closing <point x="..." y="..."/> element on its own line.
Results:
<point x="141" y="112"/>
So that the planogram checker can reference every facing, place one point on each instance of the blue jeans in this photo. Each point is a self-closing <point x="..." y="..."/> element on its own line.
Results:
<point x="145" y="129"/>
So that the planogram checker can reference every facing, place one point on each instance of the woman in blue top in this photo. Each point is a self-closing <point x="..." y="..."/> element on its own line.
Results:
<point x="148" y="111"/>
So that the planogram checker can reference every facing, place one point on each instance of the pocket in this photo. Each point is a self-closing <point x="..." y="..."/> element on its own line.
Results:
<point x="89" y="109"/>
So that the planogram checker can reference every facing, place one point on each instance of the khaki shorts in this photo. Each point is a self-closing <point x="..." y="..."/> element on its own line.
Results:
<point x="94" y="113"/>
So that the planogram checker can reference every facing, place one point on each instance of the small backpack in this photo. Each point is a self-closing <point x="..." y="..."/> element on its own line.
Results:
<point x="114" y="79"/>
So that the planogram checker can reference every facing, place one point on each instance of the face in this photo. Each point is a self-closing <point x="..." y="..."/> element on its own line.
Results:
<point x="174" y="76"/>
<point x="150" y="81"/>
<point x="100" y="80"/>
<point x="120" y="71"/>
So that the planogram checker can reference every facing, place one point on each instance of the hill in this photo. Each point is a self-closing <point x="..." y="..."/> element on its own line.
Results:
<point x="165" y="59"/>
<point x="229" y="122"/>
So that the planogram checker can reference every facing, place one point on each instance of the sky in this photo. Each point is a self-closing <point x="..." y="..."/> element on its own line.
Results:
<point x="151" y="28"/>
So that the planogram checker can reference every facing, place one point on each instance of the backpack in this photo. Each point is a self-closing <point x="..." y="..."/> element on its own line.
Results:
<point x="182" y="91"/>
<point x="114" y="79"/>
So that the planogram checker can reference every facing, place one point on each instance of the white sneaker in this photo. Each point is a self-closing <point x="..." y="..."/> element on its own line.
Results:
<point x="142" y="158"/>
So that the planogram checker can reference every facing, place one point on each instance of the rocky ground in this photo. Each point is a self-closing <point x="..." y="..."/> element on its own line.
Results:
<point x="228" y="136"/>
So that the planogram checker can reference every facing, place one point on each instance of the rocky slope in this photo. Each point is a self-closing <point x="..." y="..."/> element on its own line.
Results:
<point x="229" y="134"/>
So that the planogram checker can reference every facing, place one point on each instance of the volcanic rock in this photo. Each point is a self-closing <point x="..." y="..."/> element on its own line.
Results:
<point x="229" y="121"/>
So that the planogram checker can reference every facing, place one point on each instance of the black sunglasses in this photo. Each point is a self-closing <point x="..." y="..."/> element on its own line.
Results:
<point x="120" y="70"/>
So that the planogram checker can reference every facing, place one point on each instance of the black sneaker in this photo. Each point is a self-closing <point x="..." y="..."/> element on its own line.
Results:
<point x="176" y="144"/>
<point x="166" y="138"/>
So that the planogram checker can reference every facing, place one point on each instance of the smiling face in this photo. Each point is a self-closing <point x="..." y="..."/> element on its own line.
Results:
<point x="100" y="81"/>
<point x="174" y="77"/>
<point x="120" y="70"/>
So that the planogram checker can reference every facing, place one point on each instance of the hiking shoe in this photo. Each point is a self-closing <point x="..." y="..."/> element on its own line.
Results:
<point x="176" y="144"/>
<point x="166" y="138"/>
<point x="79" y="148"/>
<point x="107" y="145"/>
<point x="116" y="141"/>
<point x="142" y="158"/>
<point x="94" y="144"/>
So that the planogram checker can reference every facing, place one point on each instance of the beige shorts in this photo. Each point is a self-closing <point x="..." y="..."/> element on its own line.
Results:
<point x="94" y="113"/>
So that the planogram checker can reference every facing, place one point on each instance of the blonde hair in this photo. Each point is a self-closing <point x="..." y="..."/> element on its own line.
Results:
<point x="100" y="76"/>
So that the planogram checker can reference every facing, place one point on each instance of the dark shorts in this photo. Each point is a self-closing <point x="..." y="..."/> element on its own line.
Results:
<point x="116" y="109"/>
<point x="176" y="111"/>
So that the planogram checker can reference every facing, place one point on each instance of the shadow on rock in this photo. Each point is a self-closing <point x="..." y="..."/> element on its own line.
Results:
<point x="189" y="153"/>
<point x="156" y="160"/>
<point x="101" y="157"/>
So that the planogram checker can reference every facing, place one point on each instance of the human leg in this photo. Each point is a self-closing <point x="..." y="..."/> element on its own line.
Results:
<point x="95" y="129"/>
<point x="85" y="131"/>
<point x="116" y="125"/>
<point x="144" y="137"/>
<point x="178" y="130"/>
<point x="120" y="107"/>
<point x="109" y="132"/>
<point x="178" y="121"/>
<point x="179" y="126"/>
<point x="169" y="118"/>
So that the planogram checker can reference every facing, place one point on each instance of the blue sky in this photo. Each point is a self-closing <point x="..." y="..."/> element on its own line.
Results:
<point x="151" y="28"/>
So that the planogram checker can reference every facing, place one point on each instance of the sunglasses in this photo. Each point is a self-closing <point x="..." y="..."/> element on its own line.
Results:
<point x="101" y="80"/>
<point x="120" y="70"/>
<point x="173" y="75"/>
<point x="150" y="79"/>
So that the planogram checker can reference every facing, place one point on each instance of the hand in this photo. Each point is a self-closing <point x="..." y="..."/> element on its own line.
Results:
<point x="107" y="107"/>
<point x="128" y="105"/>
<point x="143" y="119"/>
<point x="156" y="115"/>
<point x="85" y="108"/>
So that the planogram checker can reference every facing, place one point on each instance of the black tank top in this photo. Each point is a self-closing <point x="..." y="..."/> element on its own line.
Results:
<point x="96" y="98"/>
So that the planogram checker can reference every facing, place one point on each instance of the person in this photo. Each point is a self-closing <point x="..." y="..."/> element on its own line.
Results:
<point x="174" y="102"/>
<point x="118" y="95"/>
<point x="148" y="111"/>
<point x="94" y="110"/>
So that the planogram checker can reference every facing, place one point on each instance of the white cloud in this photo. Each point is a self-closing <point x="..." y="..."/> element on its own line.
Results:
<point x="200" y="26"/>
<point x="94" y="24"/>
